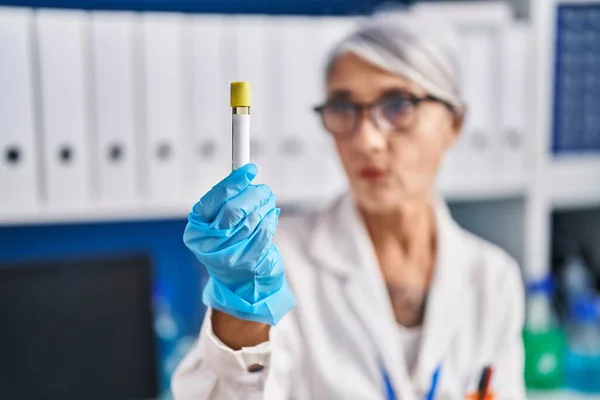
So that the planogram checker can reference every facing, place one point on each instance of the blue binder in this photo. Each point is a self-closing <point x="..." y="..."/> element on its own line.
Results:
<point x="576" y="121"/>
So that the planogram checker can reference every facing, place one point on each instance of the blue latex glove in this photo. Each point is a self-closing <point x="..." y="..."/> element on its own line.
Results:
<point x="230" y="231"/>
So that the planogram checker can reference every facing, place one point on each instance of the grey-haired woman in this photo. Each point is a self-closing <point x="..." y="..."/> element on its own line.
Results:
<point x="380" y="296"/>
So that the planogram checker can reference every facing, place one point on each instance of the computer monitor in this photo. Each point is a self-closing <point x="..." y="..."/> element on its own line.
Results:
<point x="77" y="329"/>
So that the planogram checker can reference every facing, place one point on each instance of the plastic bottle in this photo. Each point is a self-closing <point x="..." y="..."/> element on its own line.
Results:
<point x="576" y="279"/>
<point x="543" y="339"/>
<point x="583" y="359"/>
<point x="167" y="333"/>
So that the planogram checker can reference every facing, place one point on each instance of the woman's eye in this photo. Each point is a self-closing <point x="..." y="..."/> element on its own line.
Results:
<point x="340" y="108"/>
<point x="395" y="108"/>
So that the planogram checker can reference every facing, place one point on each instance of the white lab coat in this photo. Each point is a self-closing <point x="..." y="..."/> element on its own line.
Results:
<point x="342" y="333"/>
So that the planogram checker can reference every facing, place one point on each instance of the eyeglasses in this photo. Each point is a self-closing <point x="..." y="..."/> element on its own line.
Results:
<point x="394" y="113"/>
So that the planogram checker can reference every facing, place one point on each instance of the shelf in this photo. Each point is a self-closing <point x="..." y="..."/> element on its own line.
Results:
<point x="482" y="189"/>
<point x="96" y="213"/>
<point x="574" y="181"/>
<point x="560" y="395"/>
<point x="467" y="191"/>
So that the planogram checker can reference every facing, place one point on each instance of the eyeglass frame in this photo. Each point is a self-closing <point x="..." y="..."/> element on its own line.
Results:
<point x="361" y="108"/>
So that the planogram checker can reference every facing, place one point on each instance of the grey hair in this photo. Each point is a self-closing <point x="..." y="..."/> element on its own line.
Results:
<point x="414" y="47"/>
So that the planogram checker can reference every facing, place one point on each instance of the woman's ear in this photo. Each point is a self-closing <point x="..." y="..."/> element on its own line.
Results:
<point x="457" y="124"/>
<point x="459" y="120"/>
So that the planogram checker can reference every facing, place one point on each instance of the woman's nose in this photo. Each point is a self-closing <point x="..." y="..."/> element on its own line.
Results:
<point x="368" y="137"/>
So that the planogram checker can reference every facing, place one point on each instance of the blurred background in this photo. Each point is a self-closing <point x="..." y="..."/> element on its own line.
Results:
<point x="114" y="120"/>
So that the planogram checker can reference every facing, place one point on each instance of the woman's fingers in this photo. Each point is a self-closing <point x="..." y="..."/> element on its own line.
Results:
<point x="253" y="222"/>
<point x="248" y="219"/>
<point x="245" y="248"/>
<point x="242" y="205"/>
<point x="235" y="183"/>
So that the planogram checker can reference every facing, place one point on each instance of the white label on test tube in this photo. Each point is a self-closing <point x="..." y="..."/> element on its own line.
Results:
<point x="240" y="140"/>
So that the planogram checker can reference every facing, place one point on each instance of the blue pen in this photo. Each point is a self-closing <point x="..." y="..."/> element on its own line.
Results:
<point x="434" y="383"/>
<point x="391" y="395"/>
<point x="389" y="389"/>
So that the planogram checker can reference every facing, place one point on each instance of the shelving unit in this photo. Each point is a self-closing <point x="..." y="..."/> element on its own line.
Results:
<point x="565" y="181"/>
<point x="574" y="181"/>
<point x="561" y="182"/>
<point x="546" y="184"/>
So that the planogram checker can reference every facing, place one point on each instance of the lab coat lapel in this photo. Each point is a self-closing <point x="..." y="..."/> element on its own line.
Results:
<point x="330" y="245"/>
<point x="350" y="254"/>
<point x="442" y="315"/>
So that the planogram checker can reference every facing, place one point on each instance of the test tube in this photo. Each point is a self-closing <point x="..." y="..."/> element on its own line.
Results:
<point x="241" y="101"/>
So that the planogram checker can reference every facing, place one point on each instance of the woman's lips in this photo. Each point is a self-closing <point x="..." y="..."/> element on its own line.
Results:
<point x="372" y="173"/>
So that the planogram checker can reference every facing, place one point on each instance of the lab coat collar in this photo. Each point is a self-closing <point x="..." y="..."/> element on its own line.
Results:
<point x="444" y="299"/>
<point x="340" y="239"/>
<point x="341" y="244"/>
<point x="337" y="237"/>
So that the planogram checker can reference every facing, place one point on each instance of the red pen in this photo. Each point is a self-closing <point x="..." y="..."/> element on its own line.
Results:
<point x="484" y="382"/>
<point x="483" y="386"/>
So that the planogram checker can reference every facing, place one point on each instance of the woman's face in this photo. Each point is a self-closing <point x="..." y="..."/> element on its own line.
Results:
<point x="387" y="169"/>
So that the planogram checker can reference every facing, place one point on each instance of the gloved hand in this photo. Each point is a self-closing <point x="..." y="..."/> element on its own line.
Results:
<point x="230" y="231"/>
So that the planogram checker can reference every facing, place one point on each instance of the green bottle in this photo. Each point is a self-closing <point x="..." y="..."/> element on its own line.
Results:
<point x="544" y="342"/>
<point x="544" y="358"/>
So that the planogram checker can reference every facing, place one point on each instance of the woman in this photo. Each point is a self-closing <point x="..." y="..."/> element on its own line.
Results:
<point x="388" y="288"/>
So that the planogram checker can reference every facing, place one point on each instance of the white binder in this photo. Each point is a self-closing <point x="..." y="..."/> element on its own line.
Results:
<point x="63" y="40"/>
<point x="297" y="79"/>
<point x="466" y="12"/>
<point x="332" y="179"/>
<point x="114" y="68"/>
<point x="309" y="168"/>
<point x="477" y="142"/>
<point x="452" y="176"/>
<point x="208" y="145"/>
<point x="19" y="189"/>
<point x="515" y="48"/>
<point x="252" y="60"/>
<point x="165" y="118"/>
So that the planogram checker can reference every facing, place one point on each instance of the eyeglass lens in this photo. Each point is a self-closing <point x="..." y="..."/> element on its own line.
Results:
<point x="342" y="117"/>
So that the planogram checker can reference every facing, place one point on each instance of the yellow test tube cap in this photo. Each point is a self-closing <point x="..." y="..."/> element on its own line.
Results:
<point x="241" y="94"/>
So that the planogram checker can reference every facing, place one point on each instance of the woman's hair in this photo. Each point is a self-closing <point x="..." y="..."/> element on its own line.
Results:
<point x="415" y="47"/>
